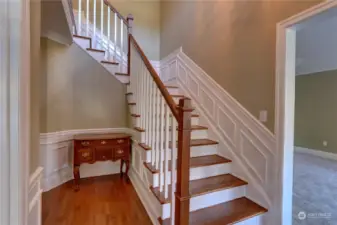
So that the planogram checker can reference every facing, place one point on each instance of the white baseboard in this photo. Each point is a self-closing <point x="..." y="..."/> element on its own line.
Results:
<point x="315" y="152"/>
<point x="35" y="198"/>
<point x="56" y="156"/>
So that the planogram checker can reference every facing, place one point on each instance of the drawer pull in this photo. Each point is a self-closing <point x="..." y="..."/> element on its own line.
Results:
<point x="85" y="143"/>
<point x="103" y="142"/>
<point x="85" y="154"/>
<point x="120" y="141"/>
<point x="120" y="151"/>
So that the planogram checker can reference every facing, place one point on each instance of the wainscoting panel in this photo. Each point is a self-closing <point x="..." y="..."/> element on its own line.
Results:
<point x="242" y="138"/>
<point x="56" y="156"/>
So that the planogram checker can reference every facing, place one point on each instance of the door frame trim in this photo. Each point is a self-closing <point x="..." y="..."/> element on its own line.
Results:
<point x="14" y="111"/>
<point x="285" y="104"/>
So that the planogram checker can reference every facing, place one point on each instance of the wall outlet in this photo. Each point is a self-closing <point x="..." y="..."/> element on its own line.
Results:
<point x="325" y="143"/>
<point x="263" y="117"/>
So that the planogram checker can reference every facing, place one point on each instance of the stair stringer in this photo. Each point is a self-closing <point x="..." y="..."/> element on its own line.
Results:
<point x="242" y="138"/>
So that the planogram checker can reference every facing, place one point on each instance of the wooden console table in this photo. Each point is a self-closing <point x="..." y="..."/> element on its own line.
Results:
<point x="90" y="148"/>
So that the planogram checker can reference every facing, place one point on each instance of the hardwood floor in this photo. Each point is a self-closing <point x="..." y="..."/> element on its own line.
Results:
<point x="105" y="200"/>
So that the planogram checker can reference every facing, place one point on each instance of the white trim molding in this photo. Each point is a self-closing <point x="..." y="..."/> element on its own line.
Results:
<point x="242" y="138"/>
<point x="56" y="156"/>
<point x="315" y="152"/>
<point x="285" y="107"/>
<point x="14" y="111"/>
<point x="35" y="198"/>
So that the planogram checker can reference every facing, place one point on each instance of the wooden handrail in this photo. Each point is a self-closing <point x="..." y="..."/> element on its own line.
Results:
<point x="120" y="16"/>
<point x="168" y="98"/>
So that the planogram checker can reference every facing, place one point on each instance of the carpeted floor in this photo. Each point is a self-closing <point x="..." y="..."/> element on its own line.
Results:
<point x="315" y="190"/>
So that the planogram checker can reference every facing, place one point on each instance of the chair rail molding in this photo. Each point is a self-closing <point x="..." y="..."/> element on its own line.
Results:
<point x="241" y="136"/>
<point x="14" y="111"/>
<point x="56" y="156"/>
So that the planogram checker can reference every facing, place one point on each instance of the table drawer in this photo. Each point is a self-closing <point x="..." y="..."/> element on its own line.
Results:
<point x="103" y="154"/>
<point x="120" y="141"/>
<point x="85" y="155"/>
<point x="121" y="152"/>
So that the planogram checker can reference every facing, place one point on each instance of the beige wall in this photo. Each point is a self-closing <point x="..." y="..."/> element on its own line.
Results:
<point x="35" y="28"/>
<point x="146" y="23"/>
<point x="233" y="41"/>
<point x="316" y="111"/>
<point x="77" y="92"/>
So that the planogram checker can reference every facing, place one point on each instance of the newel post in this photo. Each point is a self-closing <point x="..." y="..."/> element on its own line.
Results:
<point x="129" y="19"/>
<point x="182" y="195"/>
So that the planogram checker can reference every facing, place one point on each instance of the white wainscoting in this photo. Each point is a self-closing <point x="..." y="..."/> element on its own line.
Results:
<point x="56" y="157"/>
<point x="35" y="198"/>
<point x="242" y="138"/>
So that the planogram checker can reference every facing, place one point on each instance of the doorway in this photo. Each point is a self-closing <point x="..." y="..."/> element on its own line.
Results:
<point x="285" y="98"/>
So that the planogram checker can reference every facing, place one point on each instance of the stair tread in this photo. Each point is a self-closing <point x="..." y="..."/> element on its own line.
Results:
<point x="171" y="86"/>
<point x="95" y="50"/>
<point x="194" y="127"/>
<point x="122" y="74"/>
<point x="80" y="36"/>
<point x="229" y="212"/>
<point x="135" y="115"/>
<point x="129" y="93"/>
<point x="204" y="186"/>
<point x="109" y="62"/>
<point x="195" y="162"/>
<point x="131" y="103"/>
<point x="139" y="129"/>
<point x="178" y="96"/>
<point x="200" y="142"/>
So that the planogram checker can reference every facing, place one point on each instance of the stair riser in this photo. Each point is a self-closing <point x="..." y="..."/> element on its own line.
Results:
<point x="207" y="200"/>
<point x="99" y="56"/>
<point x="123" y="79"/>
<point x="173" y="91"/>
<point x="111" y="68"/>
<point x="199" y="172"/>
<point x="83" y="43"/>
<point x="194" y="121"/>
<point x="195" y="134"/>
<point x="195" y="151"/>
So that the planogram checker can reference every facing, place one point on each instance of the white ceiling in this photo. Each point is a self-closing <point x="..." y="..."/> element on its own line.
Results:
<point x="316" y="44"/>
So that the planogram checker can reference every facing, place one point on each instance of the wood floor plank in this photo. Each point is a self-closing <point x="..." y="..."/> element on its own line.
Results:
<point x="105" y="200"/>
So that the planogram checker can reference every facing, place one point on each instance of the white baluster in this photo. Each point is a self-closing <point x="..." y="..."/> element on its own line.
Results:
<point x="108" y="41"/>
<point x="143" y="101"/>
<point x="115" y="38"/>
<point x="167" y="141"/>
<point x="102" y="22"/>
<point x="87" y="9"/>
<point x="161" y="177"/>
<point x="121" y="48"/>
<point x="157" y="118"/>
<point x="173" y="167"/>
<point x="80" y="17"/>
<point x="94" y="13"/>
<point x="151" y="133"/>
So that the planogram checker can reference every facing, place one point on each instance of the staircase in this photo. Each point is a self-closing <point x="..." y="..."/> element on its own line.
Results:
<point x="176" y="146"/>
